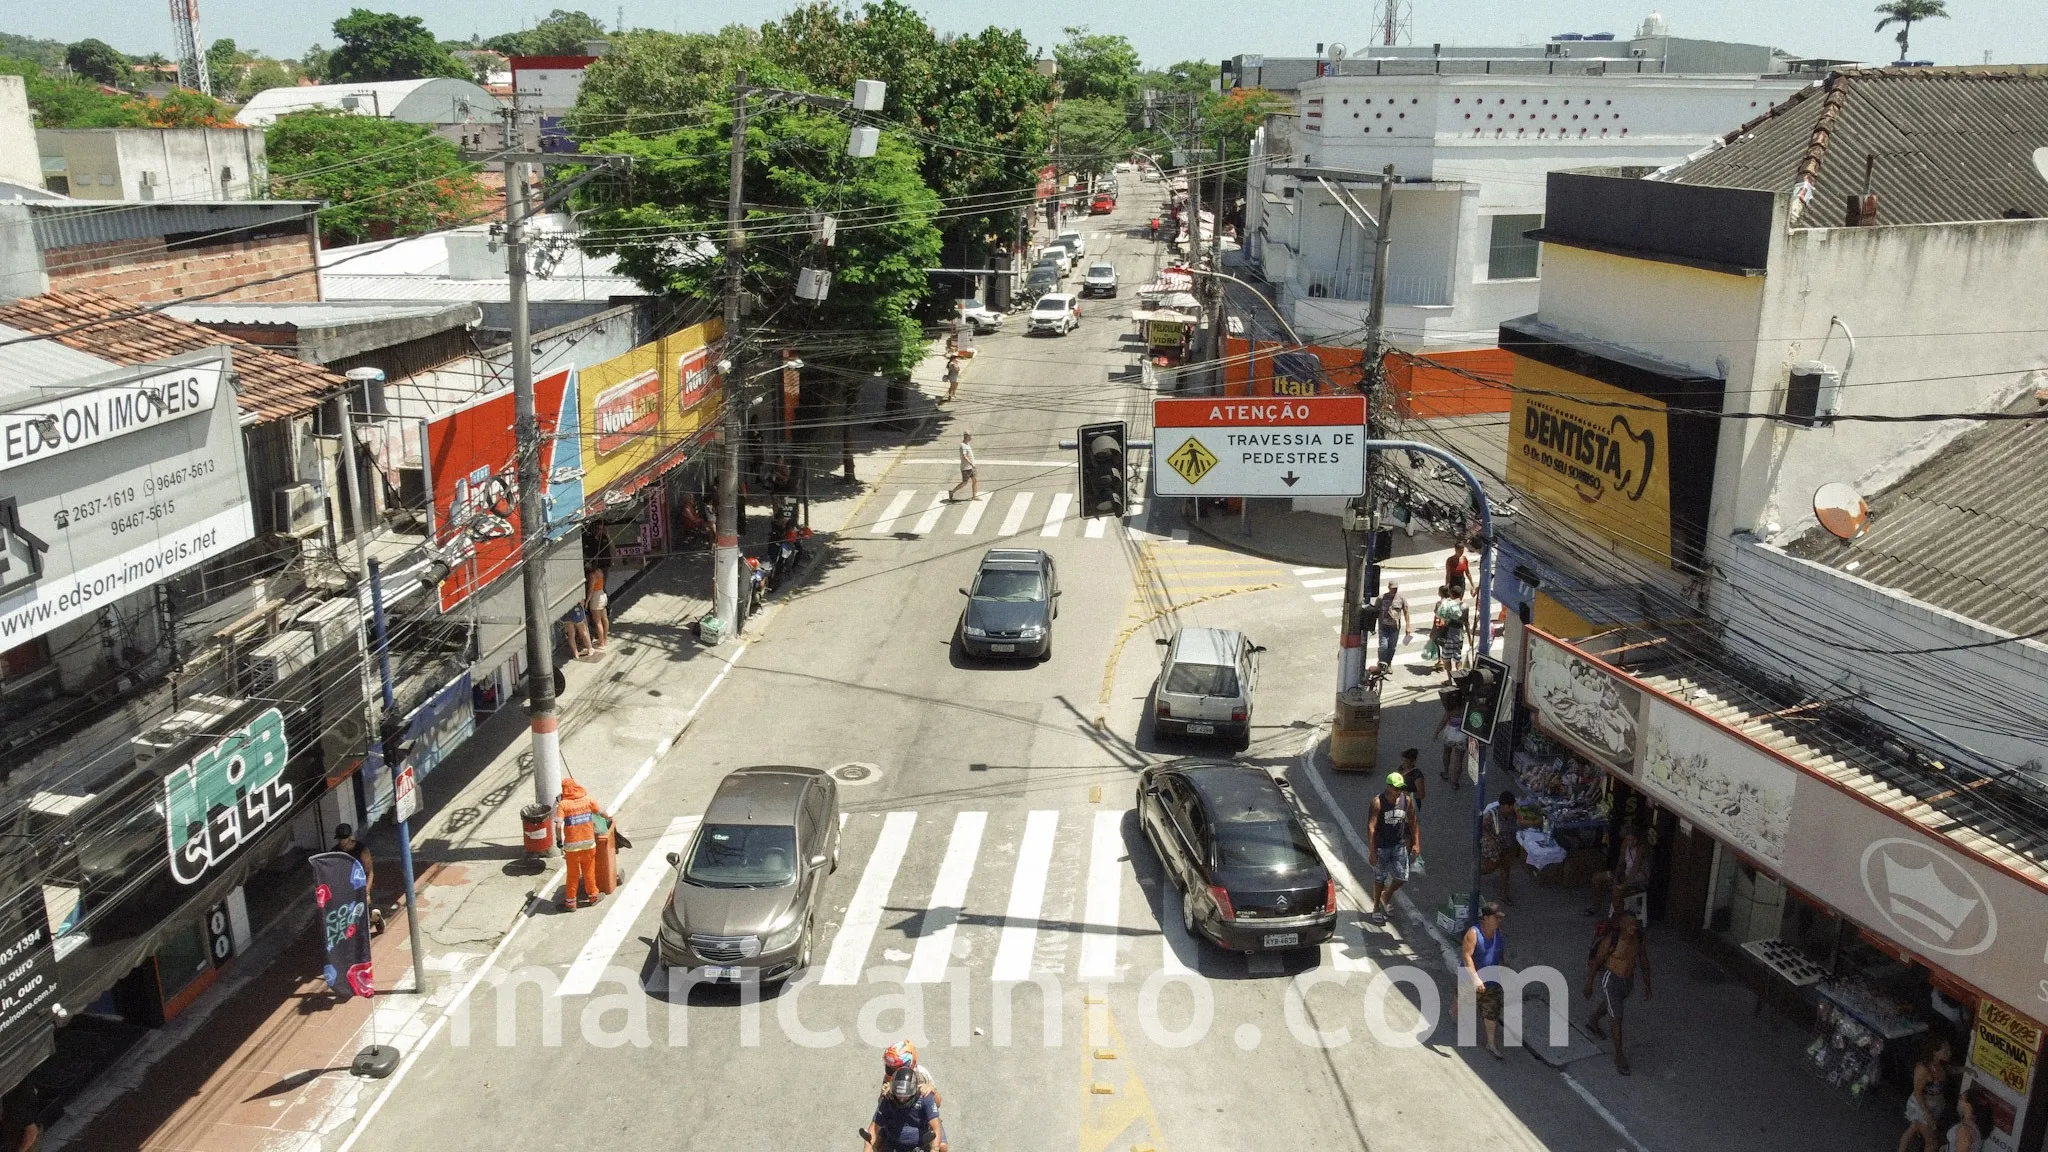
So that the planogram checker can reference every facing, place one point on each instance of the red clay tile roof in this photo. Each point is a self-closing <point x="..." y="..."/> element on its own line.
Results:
<point x="273" y="386"/>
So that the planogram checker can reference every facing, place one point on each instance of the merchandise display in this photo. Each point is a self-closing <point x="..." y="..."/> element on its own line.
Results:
<point x="1571" y="793"/>
<point x="1846" y="1054"/>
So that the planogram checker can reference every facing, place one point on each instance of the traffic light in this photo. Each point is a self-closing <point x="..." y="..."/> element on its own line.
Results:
<point x="1105" y="487"/>
<point x="1485" y="688"/>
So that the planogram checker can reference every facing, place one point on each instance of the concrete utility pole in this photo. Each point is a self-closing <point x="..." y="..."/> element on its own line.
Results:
<point x="725" y="556"/>
<point x="1361" y="567"/>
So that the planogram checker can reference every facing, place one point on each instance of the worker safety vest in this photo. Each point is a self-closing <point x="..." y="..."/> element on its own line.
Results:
<point x="579" y="824"/>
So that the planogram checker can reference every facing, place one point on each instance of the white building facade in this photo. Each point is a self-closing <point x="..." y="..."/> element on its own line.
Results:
<point x="152" y="164"/>
<point x="1471" y="152"/>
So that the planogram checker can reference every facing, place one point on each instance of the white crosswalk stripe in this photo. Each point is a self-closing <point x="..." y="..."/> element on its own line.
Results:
<point x="1013" y="520"/>
<point x="1056" y="515"/>
<point x="944" y="893"/>
<point x="894" y="512"/>
<point x="930" y="519"/>
<point x="972" y="519"/>
<point x="1095" y="528"/>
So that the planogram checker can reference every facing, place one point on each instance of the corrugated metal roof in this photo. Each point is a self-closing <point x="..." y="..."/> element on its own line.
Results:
<point x="307" y="314"/>
<point x="1943" y="804"/>
<point x="273" y="387"/>
<point x="378" y="98"/>
<point x="31" y="362"/>
<point x="1967" y="531"/>
<point x="61" y="224"/>
<point x="1948" y="146"/>
<point x="595" y="289"/>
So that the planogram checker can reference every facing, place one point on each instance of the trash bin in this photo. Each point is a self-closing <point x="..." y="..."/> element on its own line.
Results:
<point x="607" y="861"/>
<point x="538" y="821"/>
<point x="1355" y="736"/>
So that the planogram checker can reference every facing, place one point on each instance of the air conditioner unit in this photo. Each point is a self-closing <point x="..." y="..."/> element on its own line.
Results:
<point x="181" y="728"/>
<point x="276" y="660"/>
<point x="332" y="624"/>
<point x="298" y="509"/>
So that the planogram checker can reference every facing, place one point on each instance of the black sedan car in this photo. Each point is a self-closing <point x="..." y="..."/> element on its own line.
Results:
<point x="1250" y="879"/>
<point x="1011" y="605"/>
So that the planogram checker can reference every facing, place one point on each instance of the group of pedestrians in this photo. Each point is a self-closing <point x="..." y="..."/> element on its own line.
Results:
<point x="588" y="626"/>
<point x="1449" y="619"/>
<point x="1927" y="1105"/>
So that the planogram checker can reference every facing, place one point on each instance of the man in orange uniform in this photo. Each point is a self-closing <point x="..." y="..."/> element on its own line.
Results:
<point x="576" y="825"/>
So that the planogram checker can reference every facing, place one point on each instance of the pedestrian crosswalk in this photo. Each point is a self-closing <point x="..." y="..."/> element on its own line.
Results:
<point x="911" y="512"/>
<point x="1419" y="576"/>
<point x="1012" y="897"/>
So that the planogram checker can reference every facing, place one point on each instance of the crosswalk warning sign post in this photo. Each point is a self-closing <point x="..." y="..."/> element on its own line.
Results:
<point x="1192" y="460"/>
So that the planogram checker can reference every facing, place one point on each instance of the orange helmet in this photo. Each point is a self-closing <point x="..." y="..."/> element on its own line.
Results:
<point x="902" y="1054"/>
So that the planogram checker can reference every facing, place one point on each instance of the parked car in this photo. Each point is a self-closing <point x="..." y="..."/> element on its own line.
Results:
<point x="1230" y="840"/>
<point x="1100" y="280"/>
<point x="1058" y="313"/>
<point x="1011" y="605"/>
<point x="748" y="890"/>
<point x="1102" y="205"/>
<point x="1061" y="253"/>
<point x="979" y="316"/>
<point x="1044" y="278"/>
<point x="1074" y="242"/>
<point x="1205" y="685"/>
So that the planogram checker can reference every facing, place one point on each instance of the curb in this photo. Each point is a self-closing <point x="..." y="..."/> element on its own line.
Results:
<point x="1219" y="539"/>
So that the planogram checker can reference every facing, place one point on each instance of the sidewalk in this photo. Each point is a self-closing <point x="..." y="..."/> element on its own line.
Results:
<point x="261" y="1060"/>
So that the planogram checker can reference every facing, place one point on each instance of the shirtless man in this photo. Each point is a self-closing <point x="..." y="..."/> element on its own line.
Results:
<point x="1612" y="976"/>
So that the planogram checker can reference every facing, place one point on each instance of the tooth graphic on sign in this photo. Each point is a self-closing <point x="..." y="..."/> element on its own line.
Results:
<point x="1647" y="441"/>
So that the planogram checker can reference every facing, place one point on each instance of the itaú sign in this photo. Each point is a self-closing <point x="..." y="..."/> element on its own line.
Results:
<point x="43" y="430"/>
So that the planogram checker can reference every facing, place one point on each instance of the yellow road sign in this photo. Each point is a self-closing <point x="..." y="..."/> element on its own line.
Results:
<point x="1192" y="460"/>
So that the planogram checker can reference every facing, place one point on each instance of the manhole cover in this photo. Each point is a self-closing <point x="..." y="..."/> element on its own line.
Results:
<point x="856" y="773"/>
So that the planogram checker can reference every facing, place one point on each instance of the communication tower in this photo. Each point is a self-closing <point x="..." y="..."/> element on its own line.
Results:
<point x="191" y="56"/>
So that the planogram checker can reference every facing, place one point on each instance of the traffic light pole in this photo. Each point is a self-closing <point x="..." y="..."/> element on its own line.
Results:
<point x="1483" y="632"/>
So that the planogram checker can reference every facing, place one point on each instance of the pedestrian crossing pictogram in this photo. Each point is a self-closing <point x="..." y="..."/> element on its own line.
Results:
<point x="1192" y="460"/>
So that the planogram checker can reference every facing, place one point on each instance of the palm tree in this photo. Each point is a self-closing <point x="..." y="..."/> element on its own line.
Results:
<point x="1904" y="13"/>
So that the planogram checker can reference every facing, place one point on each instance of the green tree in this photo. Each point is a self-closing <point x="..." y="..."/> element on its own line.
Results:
<point x="659" y="224"/>
<point x="653" y="82"/>
<point x="380" y="177"/>
<point x="1096" y="66"/>
<point x="1906" y="13"/>
<point x="1187" y="78"/>
<point x="47" y="53"/>
<point x="559" y="33"/>
<point x="101" y="62"/>
<point x="386" y="46"/>
<point x="313" y="62"/>
<point x="262" y="76"/>
<point x="68" y="102"/>
<point x="1090" y="135"/>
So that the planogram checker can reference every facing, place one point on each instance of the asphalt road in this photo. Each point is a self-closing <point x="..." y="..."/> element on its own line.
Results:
<point x="994" y="899"/>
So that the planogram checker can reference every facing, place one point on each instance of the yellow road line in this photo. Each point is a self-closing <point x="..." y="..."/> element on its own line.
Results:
<point x="1116" y="1111"/>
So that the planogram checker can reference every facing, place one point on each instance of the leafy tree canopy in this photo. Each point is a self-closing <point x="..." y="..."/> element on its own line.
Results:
<point x="313" y="61"/>
<point x="69" y="102"/>
<point x="386" y="46"/>
<point x="559" y="33"/>
<point x="1097" y="66"/>
<point x="47" y="53"/>
<point x="381" y="178"/>
<point x="101" y="62"/>
<point x="660" y="222"/>
<point x="262" y="76"/>
<point x="652" y="82"/>
<point x="1091" y="136"/>
<point x="1187" y="78"/>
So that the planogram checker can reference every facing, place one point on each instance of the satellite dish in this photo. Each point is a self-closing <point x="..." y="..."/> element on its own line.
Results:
<point x="2041" y="162"/>
<point x="1336" y="53"/>
<point x="1842" y="510"/>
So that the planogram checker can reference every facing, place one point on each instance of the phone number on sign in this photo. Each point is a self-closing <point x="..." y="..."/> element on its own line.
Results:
<point x="141" y="516"/>
<point x="151" y="485"/>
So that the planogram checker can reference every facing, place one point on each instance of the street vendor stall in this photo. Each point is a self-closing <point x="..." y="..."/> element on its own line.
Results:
<point x="1563" y="801"/>
<point x="1167" y="334"/>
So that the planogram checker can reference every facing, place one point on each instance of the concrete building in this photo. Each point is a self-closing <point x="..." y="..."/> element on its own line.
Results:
<point x="433" y="101"/>
<point x="247" y="249"/>
<point x="17" y="136"/>
<point x="155" y="164"/>
<point x="550" y="85"/>
<point x="1471" y="151"/>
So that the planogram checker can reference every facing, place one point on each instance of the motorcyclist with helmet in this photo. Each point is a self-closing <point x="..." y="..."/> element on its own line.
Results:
<point x="907" y="1113"/>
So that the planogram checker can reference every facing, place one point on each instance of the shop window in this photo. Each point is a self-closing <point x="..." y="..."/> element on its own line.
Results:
<point x="22" y="659"/>
<point x="1511" y="255"/>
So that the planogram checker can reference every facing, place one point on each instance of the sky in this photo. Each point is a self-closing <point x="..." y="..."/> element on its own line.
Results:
<point x="1163" y="30"/>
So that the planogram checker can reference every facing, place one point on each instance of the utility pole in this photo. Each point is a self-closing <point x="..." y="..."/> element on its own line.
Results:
<point x="1362" y="569"/>
<point x="725" y="556"/>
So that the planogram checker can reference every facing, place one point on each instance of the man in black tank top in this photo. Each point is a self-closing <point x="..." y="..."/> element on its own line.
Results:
<point x="1394" y="837"/>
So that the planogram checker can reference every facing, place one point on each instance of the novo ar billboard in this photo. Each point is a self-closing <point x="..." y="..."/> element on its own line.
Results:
<point x="113" y="485"/>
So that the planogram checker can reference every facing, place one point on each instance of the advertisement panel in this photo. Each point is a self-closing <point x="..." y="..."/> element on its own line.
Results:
<point x="1717" y="779"/>
<point x="116" y="487"/>
<point x="1274" y="369"/>
<point x="472" y="473"/>
<point x="221" y="798"/>
<point x="1603" y="467"/>
<point x="28" y="983"/>
<point x="2005" y="1047"/>
<point x="639" y="409"/>
<point x="1577" y="700"/>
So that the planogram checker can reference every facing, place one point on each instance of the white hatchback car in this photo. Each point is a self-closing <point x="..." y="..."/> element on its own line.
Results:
<point x="1075" y="243"/>
<point x="1058" y="313"/>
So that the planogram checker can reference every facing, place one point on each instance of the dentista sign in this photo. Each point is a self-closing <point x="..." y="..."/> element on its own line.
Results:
<point x="41" y="431"/>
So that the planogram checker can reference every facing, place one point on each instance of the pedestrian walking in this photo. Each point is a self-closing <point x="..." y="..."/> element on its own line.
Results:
<point x="1390" y="613"/>
<point x="1499" y="851"/>
<point x="1450" y="736"/>
<point x="577" y="818"/>
<point x="1418" y="781"/>
<point x="1611" y="980"/>
<point x="1924" y="1105"/>
<point x="598" y="604"/>
<point x="1458" y="571"/>
<point x="1973" y="1109"/>
<point x="345" y="842"/>
<point x="1483" y="947"/>
<point x="967" y="477"/>
<point x="576" y="627"/>
<point x="1393" y="836"/>
<point x="1446" y="648"/>
<point x="1629" y="874"/>
<point x="952" y="367"/>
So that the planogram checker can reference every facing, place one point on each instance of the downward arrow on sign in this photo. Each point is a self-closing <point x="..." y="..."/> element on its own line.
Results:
<point x="1290" y="478"/>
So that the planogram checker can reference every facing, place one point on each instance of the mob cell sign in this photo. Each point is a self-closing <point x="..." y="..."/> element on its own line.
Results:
<point x="115" y="485"/>
<point x="221" y="798"/>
